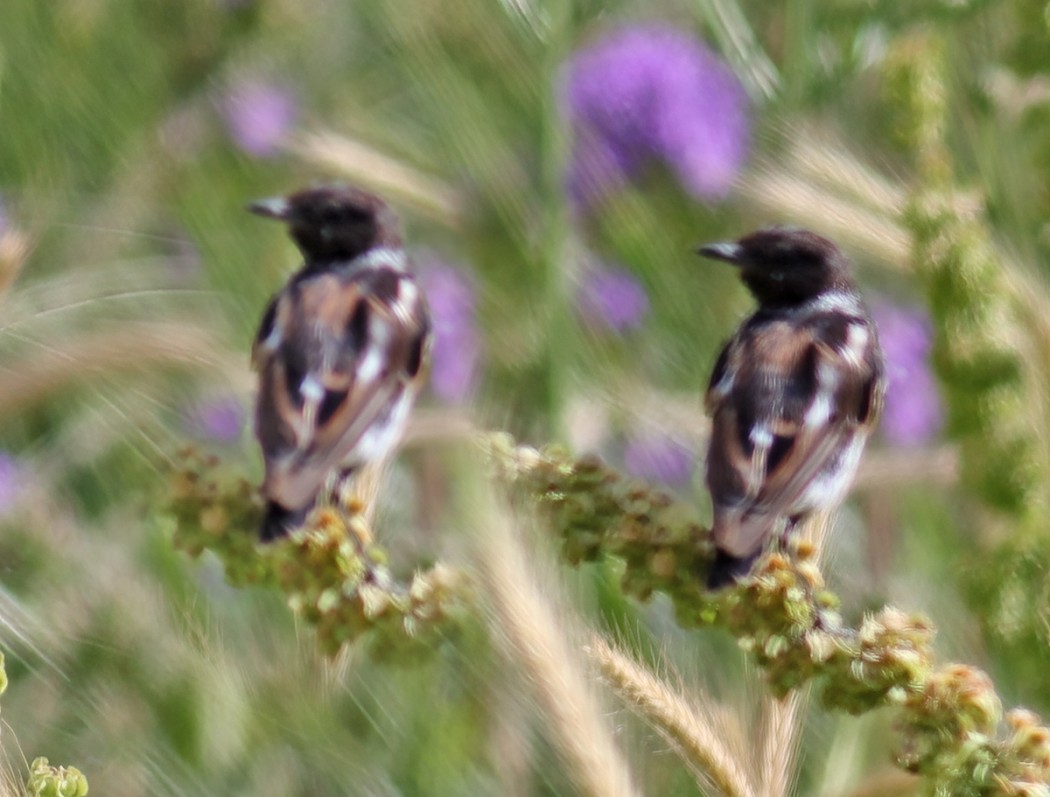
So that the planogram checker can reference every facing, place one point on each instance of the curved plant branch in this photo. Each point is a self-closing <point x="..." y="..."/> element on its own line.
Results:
<point x="950" y="721"/>
<point x="950" y="715"/>
<point x="330" y="572"/>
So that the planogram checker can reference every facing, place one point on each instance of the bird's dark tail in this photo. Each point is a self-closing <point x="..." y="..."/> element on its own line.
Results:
<point x="279" y="520"/>
<point x="727" y="569"/>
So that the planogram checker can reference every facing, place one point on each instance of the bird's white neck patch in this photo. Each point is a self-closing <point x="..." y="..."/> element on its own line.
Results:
<point x="381" y="256"/>
<point x="833" y="301"/>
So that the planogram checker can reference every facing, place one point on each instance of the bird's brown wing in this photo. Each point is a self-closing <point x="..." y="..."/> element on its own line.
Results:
<point x="342" y="369"/>
<point x="792" y="403"/>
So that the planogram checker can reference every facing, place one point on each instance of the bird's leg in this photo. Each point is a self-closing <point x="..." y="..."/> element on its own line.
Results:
<point x="790" y="524"/>
<point x="331" y="489"/>
<point x="342" y="493"/>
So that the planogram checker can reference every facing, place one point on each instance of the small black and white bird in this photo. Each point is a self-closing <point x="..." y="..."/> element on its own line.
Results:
<point x="793" y="396"/>
<point x="341" y="350"/>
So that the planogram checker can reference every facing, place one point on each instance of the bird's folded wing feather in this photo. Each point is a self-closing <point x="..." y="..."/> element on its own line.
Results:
<point x="343" y="358"/>
<point x="783" y="417"/>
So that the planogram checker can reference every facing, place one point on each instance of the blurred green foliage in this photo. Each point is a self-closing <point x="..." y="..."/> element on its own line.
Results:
<point x="138" y="280"/>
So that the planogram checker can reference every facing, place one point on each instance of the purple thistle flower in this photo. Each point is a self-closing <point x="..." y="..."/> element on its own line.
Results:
<point x="259" y="116"/>
<point x="913" y="414"/>
<point x="613" y="298"/>
<point x="654" y="92"/>
<point x="456" y="353"/>
<point x="11" y="481"/>
<point x="658" y="457"/>
<point x="217" y="419"/>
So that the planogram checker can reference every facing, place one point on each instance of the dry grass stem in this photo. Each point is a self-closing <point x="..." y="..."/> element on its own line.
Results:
<point x="817" y="155"/>
<point x="781" y="732"/>
<point x="891" y="781"/>
<point x="784" y="195"/>
<point x="14" y="250"/>
<point x="378" y="171"/>
<point x="9" y="783"/>
<point x="135" y="346"/>
<point x="430" y="425"/>
<point x="689" y="728"/>
<point x="524" y="616"/>
<point x="510" y="742"/>
<point x="887" y="468"/>
<point x="743" y="48"/>
<point x="133" y="281"/>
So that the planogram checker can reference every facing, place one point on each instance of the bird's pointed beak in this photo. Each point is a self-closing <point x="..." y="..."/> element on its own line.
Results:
<point x="273" y="208"/>
<point x="729" y="252"/>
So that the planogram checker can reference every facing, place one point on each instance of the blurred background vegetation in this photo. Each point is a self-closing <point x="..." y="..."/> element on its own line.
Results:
<point x="555" y="164"/>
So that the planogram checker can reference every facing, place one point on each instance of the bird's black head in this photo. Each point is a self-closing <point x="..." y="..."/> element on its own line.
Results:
<point x="333" y="222"/>
<point x="785" y="266"/>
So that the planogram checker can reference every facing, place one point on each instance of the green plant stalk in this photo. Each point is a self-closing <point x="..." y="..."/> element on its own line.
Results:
<point x="990" y="352"/>
<point x="979" y="335"/>
<point x="554" y="155"/>
<point x="330" y="572"/>
<point x="949" y="715"/>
